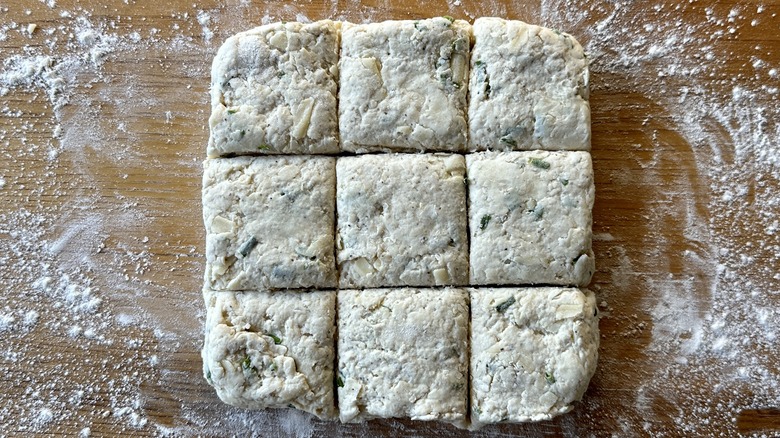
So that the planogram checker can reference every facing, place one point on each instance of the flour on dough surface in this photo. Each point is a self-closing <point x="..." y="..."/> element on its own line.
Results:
<point x="274" y="90"/>
<point x="269" y="222"/>
<point x="528" y="88"/>
<point x="404" y="85"/>
<point x="533" y="352"/>
<point x="272" y="349"/>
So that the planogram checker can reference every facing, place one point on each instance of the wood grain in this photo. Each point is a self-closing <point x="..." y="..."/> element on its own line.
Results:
<point x="136" y="172"/>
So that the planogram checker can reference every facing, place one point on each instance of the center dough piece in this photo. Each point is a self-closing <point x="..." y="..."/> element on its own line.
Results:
<point x="403" y="85"/>
<point x="401" y="220"/>
<point x="269" y="222"/>
<point x="403" y="353"/>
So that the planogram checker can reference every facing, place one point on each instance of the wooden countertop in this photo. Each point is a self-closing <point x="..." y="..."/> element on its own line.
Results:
<point x="104" y="126"/>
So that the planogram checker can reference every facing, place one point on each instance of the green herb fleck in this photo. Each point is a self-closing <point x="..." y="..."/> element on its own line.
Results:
<point x="339" y="381"/>
<point x="447" y="17"/>
<point x="263" y="147"/>
<point x="232" y="111"/>
<point x="276" y="339"/>
<point x="501" y="308"/>
<point x="565" y="182"/>
<point x="417" y="24"/>
<point x="247" y="246"/>
<point x="279" y="74"/>
<point x="242" y="133"/>
<point x="549" y="378"/>
<point x="246" y="364"/>
<point x="509" y="140"/>
<point x="273" y="367"/>
<point x="483" y="223"/>
<point x="538" y="162"/>
<point x="479" y="63"/>
<point x="208" y="376"/>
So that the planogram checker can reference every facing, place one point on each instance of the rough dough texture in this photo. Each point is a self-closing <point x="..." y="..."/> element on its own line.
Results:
<point x="534" y="351"/>
<point x="403" y="85"/>
<point x="403" y="353"/>
<point x="274" y="90"/>
<point x="271" y="349"/>
<point x="402" y="220"/>
<point x="269" y="222"/>
<point x="528" y="88"/>
<point x="530" y="217"/>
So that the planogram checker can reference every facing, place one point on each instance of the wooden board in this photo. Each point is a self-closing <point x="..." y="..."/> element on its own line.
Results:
<point x="101" y="241"/>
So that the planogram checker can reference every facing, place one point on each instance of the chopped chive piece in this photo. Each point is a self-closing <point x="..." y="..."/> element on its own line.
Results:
<point x="276" y="339"/>
<point x="247" y="247"/>
<point x="447" y="17"/>
<point x="232" y="111"/>
<point x="564" y="181"/>
<point x="417" y="25"/>
<point x="483" y="223"/>
<point x="501" y="308"/>
<point x="478" y="63"/>
<point x="242" y="133"/>
<point x="509" y="140"/>
<point x="538" y="162"/>
<point x="549" y="378"/>
<point x="208" y="376"/>
<point x="279" y="74"/>
<point x="339" y="381"/>
<point x="246" y="364"/>
<point x="263" y="147"/>
<point x="273" y="366"/>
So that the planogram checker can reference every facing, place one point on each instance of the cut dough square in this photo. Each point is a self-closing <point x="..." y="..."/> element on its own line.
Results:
<point x="403" y="85"/>
<point x="272" y="349"/>
<point x="403" y="353"/>
<point x="530" y="217"/>
<point x="269" y="222"/>
<point x="528" y="88"/>
<point x="533" y="352"/>
<point x="401" y="220"/>
<point x="274" y="90"/>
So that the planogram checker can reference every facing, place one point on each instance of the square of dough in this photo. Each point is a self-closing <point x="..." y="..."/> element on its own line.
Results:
<point x="403" y="85"/>
<point x="528" y="88"/>
<point x="401" y="220"/>
<point x="269" y="222"/>
<point x="272" y="349"/>
<point x="274" y="90"/>
<point x="403" y="353"/>
<point x="533" y="352"/>
<point x="530" y="217"/>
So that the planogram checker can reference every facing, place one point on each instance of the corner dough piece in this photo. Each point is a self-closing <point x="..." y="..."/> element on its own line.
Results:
<point x="533" y="352"/>
<point x="530" y="217"/>
<point x="403" y="85"/>
<point x="403" y="353"/>
<point x="528" y="88"/>
<point x="274" y="89"/>
<point x="401" y="220"/>
<point x="272" y="349"/>
<point x="269" y="222"/>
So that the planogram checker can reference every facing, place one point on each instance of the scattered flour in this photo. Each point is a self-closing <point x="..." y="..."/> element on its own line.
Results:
<point x="83" y="260"/>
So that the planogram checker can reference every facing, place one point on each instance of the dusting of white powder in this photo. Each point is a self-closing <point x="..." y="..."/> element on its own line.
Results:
<point x="83" y="276"/>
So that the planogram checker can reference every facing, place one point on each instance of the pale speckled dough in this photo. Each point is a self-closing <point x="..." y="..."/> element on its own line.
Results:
<point x="287" y="204"/>
<point x="272" y="349"/>
<point x="530" y="217"/>
<point x="402" y="220"/>
<point x="534" y="351"/>
<point x="274" y="90"/>
<point x="397" y="360"/>
<point x="403" y="85"/>
<point x="528" y="88"/>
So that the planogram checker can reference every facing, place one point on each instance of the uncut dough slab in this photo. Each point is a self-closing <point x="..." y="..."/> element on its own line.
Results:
<point x="271" y="349"/>
<point x="534" y="351"/>
<point x="274" y="89"/>
<point x="403" y="353"/>
<point x="530" y="217"/>
<point x="401" y="220"/>
<point x="403" y="85"/>
<point x="528" y="88"/>
<point x="287" y="205"/>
